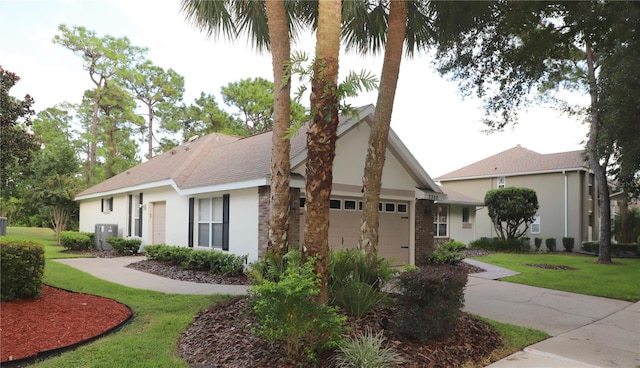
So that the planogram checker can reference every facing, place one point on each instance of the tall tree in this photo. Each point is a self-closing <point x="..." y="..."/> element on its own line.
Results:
<point x="103" y="58"/>
<point x="504" y="50"/>
<point x="17" y="145"/>
<point x="158" y="90"/>
<point x="321" y="138"/>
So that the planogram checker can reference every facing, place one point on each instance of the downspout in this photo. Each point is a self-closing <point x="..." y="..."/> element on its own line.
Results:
<point x="566" y="204"/>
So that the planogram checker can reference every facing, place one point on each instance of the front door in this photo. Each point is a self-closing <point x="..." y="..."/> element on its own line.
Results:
<point x="159" y="222"/>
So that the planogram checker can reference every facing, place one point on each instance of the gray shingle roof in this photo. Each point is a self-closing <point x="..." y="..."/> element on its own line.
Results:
<point x="519" y="160"/>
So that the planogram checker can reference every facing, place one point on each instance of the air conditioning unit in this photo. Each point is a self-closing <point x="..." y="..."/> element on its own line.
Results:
<point x="102" y="233"/>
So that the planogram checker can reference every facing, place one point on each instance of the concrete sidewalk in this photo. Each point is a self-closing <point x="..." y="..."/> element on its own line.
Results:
<point x="116" y="270"/>
<point x="586" y="331"/>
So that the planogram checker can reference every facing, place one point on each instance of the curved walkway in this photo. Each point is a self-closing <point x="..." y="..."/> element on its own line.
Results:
<point x="586" y="331"/>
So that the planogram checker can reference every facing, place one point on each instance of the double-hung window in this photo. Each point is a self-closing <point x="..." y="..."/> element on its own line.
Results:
<point x="440" y="221"/>
<point x="210" y="222"/>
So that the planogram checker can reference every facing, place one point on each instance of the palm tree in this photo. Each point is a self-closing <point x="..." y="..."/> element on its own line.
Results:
<point x="321" y="138"/>
<point x="268" y="25"/>
<point x="368" y="27"/>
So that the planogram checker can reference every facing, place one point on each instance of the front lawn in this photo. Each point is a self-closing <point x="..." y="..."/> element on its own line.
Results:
<point x="618" y="281"/>
<point x="150" y="340"/>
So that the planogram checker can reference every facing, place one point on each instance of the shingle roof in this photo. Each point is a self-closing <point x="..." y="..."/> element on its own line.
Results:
<point x="454" y="197"/>
<point x="519" y="160"/>
<point x="217" y="159"/>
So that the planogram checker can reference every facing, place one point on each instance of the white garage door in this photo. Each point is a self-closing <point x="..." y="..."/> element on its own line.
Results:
<point x="344" y="227"/>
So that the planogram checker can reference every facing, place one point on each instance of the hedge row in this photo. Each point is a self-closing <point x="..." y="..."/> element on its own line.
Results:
<point x="617" y="249"/>
<point x="213" y="261"/>
<point x="499" y="245"/>
<point x="22" y="269"/>
<point x="73" y="240"/>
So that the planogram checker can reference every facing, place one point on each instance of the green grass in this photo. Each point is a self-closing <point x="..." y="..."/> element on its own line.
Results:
<point x="150" y="340"/>
<point x="619" y="281"/>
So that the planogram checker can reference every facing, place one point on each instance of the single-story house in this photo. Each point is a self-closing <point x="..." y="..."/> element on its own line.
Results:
<point x="213" y="193"/>
<point x="454" y="217"/>
<point x="565" y="187"/>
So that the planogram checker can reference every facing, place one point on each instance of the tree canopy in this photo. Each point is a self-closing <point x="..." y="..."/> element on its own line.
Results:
<point x="511" y="210"/>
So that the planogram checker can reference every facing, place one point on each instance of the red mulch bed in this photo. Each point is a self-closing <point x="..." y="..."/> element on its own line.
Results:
<point x="57" y="319"/>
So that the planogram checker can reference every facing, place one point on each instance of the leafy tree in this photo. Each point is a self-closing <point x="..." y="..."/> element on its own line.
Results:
<point x="54" y="172"/>
<point x="503" y="51"/>
<point x="17" y="145"/>
<point x="254" y="99"/>
<point x="103" y="57"/>
<point x="511" y="210"/>
<point x="158" y="90"/>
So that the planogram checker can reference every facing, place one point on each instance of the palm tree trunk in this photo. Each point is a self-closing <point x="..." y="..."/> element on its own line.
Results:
<point x="281" y="146"/>
<point x="379" y="136"/>
<point x="321" y="138"/>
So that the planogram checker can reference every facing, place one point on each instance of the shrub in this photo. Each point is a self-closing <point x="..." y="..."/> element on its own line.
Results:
<point x="198" y="260"/>
<point x="125" y="246"/>
<point x="73" y="240"/>
<point x="270" y="267"/>
<point x="591" y="247"/>
<point x="91" y="236"/>
<point x="22" y="269"/>
<point x="499" y="245"/>
<point x="526" y="243"/>
<point x="286" y="312"/>
<point x="448" y="253"/>
<point x="212" y="260"/>
<point x="538" y="243"/>
<point x="430" y="301"/>
<point x="354" y="285"/>
<point x="568" y="243"/>
<point x="167" y="253"/>
<point x="366" y="351"/>
<point x="551" y="244"/>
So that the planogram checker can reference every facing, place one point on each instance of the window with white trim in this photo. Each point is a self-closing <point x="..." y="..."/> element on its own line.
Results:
<point x="465" y="214"/>
<point x="106" y="206"/>
<point x="535" y="225"/>
<point x="349" y="205"/>
<point x="390" y="207"/>
<point x="210" y="227"/>
<point x="402" y="208"/>
<point x="440" y="221"/>
<point x="502" y="182"/>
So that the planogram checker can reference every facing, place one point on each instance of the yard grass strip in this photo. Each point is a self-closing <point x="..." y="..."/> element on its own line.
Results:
<point x="617" y="281"/>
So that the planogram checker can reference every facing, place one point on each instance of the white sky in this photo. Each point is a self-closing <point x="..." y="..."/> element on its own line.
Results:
<point x="442" y="130"/>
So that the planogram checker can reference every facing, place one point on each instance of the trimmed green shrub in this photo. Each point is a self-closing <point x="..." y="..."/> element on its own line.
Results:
<point x="22" y="269"/>
<point x="286" y="311"/>
<point x="538" y="243"/>
<point x="91" y="236"/>
<point x="212" y="260"/>
<point x="73" y="240"/>
<point x="568" y="243"/>
<point x="125" y="246"/>
<point x="448" y="253"/>
<point x="354" y="285"/>
<point x="551" y="244"/>
<point x="366" y="351"/>
<point x="591" y="247"/>
<point x="499" y="245"/>
<point x="526" y="243"/>
<point x="430" y="301"/>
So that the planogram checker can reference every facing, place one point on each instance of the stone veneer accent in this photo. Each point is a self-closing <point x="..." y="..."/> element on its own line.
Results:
<point x="425" y="244"/>
<point x="264" y="198"/>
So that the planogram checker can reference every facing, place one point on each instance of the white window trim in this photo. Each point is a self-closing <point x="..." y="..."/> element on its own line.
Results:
<point x="211" y="222"/>
<point x="536" y="221"/>
<point x="501" y="182"/>
<point x="355" y="205"/>
<point x="435" y="235"/>
<point x="395" y="205"/>
<point x="406" y="207"/>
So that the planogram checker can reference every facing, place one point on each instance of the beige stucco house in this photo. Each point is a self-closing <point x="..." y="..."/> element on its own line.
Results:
<point x="213" y="193"/>
<point x="567" y="193"/>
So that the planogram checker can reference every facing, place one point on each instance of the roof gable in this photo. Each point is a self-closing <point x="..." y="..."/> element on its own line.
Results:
<point x="519" y="160"/>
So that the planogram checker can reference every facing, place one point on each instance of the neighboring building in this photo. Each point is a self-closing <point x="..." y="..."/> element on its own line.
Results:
<point x="566" y="190"/>
<point x="213" y="193"/>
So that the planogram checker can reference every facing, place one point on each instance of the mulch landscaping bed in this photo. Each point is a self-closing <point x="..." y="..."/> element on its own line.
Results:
<point x="57" y="319"/>
<point x="220" y="336"/>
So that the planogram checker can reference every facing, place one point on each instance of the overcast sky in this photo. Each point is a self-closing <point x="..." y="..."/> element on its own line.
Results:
<point x="440" y="128"/>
